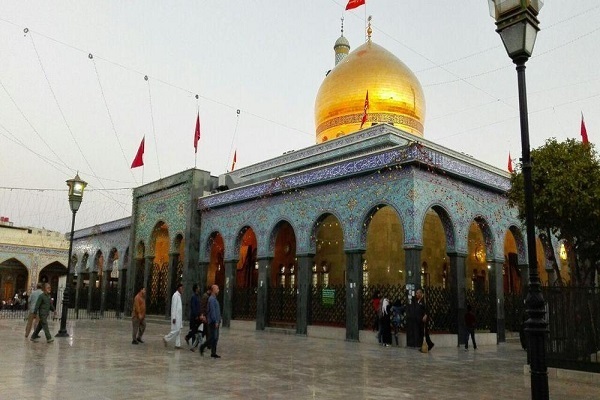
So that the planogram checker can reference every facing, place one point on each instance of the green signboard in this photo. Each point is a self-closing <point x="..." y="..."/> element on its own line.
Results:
<point x="328" y="297"/>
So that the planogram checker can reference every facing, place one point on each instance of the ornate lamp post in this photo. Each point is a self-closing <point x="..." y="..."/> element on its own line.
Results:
<point x="518" y="26"/>
<point x="76" y="187"/>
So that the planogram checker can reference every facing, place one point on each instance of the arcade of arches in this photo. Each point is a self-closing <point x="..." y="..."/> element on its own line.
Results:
<point x="15" y="279"/>
<point x="384" y="257"/>
<point x="383" y="263"/>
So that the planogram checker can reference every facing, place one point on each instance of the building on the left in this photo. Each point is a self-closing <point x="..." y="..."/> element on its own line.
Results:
<point x="29" y="255"/>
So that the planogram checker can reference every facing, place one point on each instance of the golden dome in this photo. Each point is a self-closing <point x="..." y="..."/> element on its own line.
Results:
<point x="395" y="94"/>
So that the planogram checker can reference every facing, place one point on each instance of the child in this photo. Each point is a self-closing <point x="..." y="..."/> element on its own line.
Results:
<point x="397" y="318"/>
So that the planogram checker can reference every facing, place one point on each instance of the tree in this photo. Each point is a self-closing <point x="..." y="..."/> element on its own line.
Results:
<point x="566" y="187"/>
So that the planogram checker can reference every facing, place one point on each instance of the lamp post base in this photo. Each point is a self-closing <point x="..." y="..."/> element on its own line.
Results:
<point x="62" y="333"/>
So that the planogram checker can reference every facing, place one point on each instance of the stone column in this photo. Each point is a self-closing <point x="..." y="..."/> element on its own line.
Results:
<point x="77" y="294"/>
<point x="103" y="284"/>
<point x="412" y="257"/>
<point x="228" y="292"/>
<point x="202" y="276"/>
<point x="457" y="295"/>
<point x="91" y="286"/>
<point x="120" y="288"/>
<point x="497" y="297"/>
<point x="172" y="281"/>
<point x="354" y="275"/>
<point x="148" y="260"/>
<point x="262" y="294"/>
<point x="305" y="262"/>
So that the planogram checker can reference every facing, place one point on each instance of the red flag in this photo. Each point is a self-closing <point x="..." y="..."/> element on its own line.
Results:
<point x="234" y="160"/>
<point x="138" y="161"/>
<point x="510" y="167"/>
<point x="584" y="136"/>
<point x="364" y="117"/>
<point x="352" y="4"/>
<point x="197" y="133"/>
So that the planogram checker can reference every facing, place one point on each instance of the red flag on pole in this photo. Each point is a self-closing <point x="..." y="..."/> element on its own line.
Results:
<point x="197" y="133"/>
<point x="364" y="117"/>
<point x="352" y="4"/>
<point x="234" y="160"/>
<point x="138" y="161"/>
<point x="584" y="136"/>
<point x="510" y="167"/>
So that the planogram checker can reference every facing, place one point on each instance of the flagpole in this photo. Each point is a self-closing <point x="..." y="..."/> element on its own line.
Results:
<point x="143" y="175"/>
<point x="196" y="133"/>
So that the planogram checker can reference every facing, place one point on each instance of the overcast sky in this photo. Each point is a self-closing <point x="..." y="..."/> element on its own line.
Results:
<point x="63" y="111"/>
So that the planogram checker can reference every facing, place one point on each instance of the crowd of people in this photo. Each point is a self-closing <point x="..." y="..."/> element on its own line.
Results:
<point x="18" y="302"/>
<point x="392" y="318"/>
<point x="205" y="320"/>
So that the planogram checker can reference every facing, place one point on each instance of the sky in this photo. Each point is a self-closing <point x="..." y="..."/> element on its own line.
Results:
<point x="82" y="82"/>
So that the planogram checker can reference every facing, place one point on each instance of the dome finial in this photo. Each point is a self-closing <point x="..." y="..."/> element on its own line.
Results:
<point x="341" y="47"/>
<point x="369" y="30"/>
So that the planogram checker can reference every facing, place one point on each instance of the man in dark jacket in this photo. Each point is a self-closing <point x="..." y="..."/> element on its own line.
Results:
<point x="213" y="319"/>
<point x="194" y="317"/>
<point x="422" y="319"/>
<point x="42" y="309"/>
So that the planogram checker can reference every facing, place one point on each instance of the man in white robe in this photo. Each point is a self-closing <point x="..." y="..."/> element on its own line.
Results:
<point x="176" y="318"/>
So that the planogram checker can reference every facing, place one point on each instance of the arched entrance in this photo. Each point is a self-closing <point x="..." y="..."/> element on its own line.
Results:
<point x="158" y="275"/>
<point x="511" y="272"/>
<point x="476" y="266"/>
<point x="328" y="275"/>
<point x="13" y="282"/>
<point x="384" y="265"/>
<point x="95" y="283"/>
<point x="51" y="274"/>
<point x="216" y="266"/>
<point x="282" y="304"/>
<point x="244" y="294"/>
<point x="83" y="281"/>
<point x="111" y="282"/>
<point x="434" y="260"/>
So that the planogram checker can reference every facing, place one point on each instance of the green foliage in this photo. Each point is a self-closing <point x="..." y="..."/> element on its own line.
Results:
<point x="566" y="190"/>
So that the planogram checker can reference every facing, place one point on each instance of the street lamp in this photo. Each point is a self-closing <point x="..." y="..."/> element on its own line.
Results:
<point x="76" y="187"/>
<point x="518" y="26"/>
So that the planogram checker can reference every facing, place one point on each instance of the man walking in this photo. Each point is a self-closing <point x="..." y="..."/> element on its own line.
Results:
<point x="194" y="317"/>
<point x="138" y="317"/>
<point x="214" y="321"/>
<point x="422" y="320"/>
<point x="43" y="305"/>
<point x="32" y="317"/>
<point x="176" y="318"/>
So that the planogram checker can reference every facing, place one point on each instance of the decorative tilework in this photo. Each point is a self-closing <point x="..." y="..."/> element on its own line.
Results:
<point x="170" y="206"/>
<point x="373" y="117"/>
<point x="409" y="190"/>
<point x="360" y="165"/>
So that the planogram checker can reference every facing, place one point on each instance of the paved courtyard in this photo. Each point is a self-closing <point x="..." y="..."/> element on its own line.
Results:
<point x="99" y="362"/>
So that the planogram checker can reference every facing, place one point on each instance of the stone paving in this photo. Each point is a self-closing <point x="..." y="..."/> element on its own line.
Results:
<point x="99" y="362"/>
